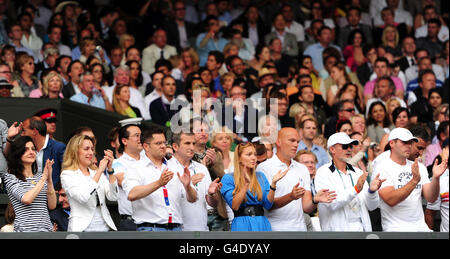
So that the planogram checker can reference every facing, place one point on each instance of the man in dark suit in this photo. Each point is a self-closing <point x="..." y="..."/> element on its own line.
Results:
<point x="46" y="148"/>
<point x="60" y="215"/>
<point x="354" y="22"/>
<point x="75" y="70"/>
<point x="181" y="32"/>
<point x="408" y="59"/>
<point x="160" y="110"/>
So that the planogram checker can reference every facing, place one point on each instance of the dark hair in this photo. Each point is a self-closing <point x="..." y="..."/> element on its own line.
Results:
<point x="351" y="37"/>
<point x="140" y="78"/>
<point x="124" y="133"/>
<point x="258" y="50"/>
<point x="38" y="124"/>
<point x="435" y="21"/>
<point x="14" y="157"/>
<point x="69" y="68"/>
<point x="220" y="58"/>
<point x="61" y="57"/>
<point x="78" y="131"/>
<point x="396" y="112"/>
<point x="341" y="123"/>
<point x="441" y="129"/>
<point x="420" y="132"/>
<point x="163" y="63"/>
<point x="148" y="132"/>
<point x="425" y="72"/>
<point x="382" y="59"/>
<point x="371" y="121"/>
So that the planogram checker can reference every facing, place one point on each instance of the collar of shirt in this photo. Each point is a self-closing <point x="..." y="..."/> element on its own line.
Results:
<point x="45" y="143"/>
<point x="278" y="163"/>
<point x="148" y="162"/>
<point x="127" y="157"/>
<point x="191" y="166"/>
<point x="165" y="101"/>
<point x="302" y="146"/>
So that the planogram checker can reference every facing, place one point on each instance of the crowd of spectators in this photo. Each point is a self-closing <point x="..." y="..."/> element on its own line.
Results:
<point x="273" y="92"/>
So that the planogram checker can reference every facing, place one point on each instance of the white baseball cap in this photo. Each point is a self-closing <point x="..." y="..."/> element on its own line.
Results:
<point x="402" y="134"/>
<point x="341" y="138"/>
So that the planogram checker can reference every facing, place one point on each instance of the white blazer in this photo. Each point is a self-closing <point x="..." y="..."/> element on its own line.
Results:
<point x="334" y="216"/>
<point x="80" y="192"/>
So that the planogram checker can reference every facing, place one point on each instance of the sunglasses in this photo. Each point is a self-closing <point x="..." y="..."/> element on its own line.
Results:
<point x="349" y="110"/>
<point x="346" y="146"/>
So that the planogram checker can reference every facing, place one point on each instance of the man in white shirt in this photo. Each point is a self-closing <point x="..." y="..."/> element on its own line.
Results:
<point x="157" y="90"/>
<point x="293" y="192"/>
<point x="159" y="49"/>
<point x="406" y="181"/>
<point x="349" y="212"/>
<point x="130" y="147"/>
<point x="154" y="194"/>
<point x="195" y="214"/>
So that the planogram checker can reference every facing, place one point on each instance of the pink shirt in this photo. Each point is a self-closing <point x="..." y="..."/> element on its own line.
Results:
<point x="37" y="93"/>
<point x="368" y="88"/>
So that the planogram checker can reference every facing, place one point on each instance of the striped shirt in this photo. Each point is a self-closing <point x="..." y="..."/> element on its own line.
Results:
<point x="29" y="218"/>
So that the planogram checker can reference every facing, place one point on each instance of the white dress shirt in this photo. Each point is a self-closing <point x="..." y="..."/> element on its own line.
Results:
<point x="152" y="53"/>
<point x="195" y="215"/>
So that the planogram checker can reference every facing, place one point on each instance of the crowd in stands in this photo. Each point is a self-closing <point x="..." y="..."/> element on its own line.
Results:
<point x="297" y="115"/>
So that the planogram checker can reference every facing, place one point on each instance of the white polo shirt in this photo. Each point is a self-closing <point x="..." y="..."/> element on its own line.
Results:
<point x="164" y="204"/>
<point x="124" y="164"/>
<point x="195" y="215"/>
<point x="289" y="217"/>
<point x="407" y="215"/>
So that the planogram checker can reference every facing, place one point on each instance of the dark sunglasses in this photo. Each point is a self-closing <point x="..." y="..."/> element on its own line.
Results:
<point x="346" y="146"/>
<point x="349" y="110"/>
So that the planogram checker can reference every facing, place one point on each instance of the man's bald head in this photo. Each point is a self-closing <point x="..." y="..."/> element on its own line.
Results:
<point x="287" y="142"/>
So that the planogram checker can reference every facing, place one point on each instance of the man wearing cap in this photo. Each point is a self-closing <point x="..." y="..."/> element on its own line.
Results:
<point x="349" y="211"/>
<point x="49" y="117"/>
<point x="406" y="181"/>
<point x="5" y="88"/>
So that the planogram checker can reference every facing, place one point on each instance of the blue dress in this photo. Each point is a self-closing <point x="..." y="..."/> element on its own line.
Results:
<point x="247" y="223"/>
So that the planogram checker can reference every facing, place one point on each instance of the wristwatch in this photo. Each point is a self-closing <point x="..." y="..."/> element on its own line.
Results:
<point x="110" y="172"/>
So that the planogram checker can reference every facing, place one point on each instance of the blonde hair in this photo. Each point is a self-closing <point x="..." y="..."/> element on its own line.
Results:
<point x="71" y="160"/>
<point x="47" y="80"/>
<point x="383" y="37"/>
<point x="116" y="102"/>
<point x="239" y="179"/>
<point x="305" y="152"/>
<point x="194" y="56"/>
<point x="223" y="129"/>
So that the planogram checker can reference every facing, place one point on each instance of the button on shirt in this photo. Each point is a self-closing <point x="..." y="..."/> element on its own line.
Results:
<point x="321" y="154"/>
<point x="124" y="164"/>
<point x="153" y="208"/>
<point x="195" y="215"/>
<point x="289" y="217"/>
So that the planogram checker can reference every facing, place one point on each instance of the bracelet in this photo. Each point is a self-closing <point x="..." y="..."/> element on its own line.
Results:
<point x="110" y="172"/>
<point x="356" y="189"/>
<point x="371" y="191"/>
<point x="315" y="203"/>
<point x="8" y="140"/>
<point x="272" y="188"/>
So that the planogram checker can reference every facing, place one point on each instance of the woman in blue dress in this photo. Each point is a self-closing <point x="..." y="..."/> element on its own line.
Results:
<point x="248" y="192"/>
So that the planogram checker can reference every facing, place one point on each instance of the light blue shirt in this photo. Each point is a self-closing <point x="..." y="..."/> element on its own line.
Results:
<point x="95" y="101"/>
<point x="321" y="154"/>
<point x="315" y="51"/>
<point x="211" y="45"/>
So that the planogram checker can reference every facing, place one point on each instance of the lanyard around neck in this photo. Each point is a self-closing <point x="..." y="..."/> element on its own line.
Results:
<point x="351" y="178"/>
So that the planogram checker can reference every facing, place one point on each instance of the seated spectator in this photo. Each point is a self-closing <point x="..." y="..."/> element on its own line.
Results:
<point x="24" y="67"/>
<point x="354" y="22"/>
<point x="408" y="49"/>
<point x="366" y="69"/>
<point x="308" y="130"/>
<point x="121" y="103"/>
<point x="432" y="42"/>
<point x="344" y="110"/>
<point x="434" y="150"/>
<point x="209" y="40"/>
<point x="352" y="52"/>
<point x="344" y="126"/>
<point x="423" y="64"/>
<point x="412" y="72"/>
<point x="88" y="96"/>
<point x="288" y="40"/>
<point x="158" y="50"/>
<point x="325" y="40"/>
<point x="378" y="123"/>
<point x="51" y="88"/>
<point x="74" y="71"/>
<point x="161" y="110"/>
<point x="390" y="40"/>
<point x="384" y="90"/>
<point x="429" y="12"/>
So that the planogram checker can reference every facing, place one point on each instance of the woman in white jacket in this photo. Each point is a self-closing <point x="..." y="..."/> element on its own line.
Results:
<point x="87" y="187"/>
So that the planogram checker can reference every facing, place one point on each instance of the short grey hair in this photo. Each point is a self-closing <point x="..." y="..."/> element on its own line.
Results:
<point x="87" y="73"/>
<point x="121" y="67"/>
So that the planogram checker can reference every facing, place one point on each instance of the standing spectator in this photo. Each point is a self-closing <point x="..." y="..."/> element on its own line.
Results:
<point x="150" y="182"/>
<point x="248" y="192"/>
<point x="349" y="212"/>
<point x="293" y="193"/>
<point x="195" y="214"/>
<point x="87" y="187"/>
<point x="160" y="49"/>
<point x="130" y="148"/>
<point x="406" y="182"/>
<point x="30" y="191"/>
<point x="46" y="148"/>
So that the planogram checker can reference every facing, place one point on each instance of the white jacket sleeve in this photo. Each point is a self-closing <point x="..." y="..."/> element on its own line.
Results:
<point x="323" y="180"/>
<point x="78" y="187"/>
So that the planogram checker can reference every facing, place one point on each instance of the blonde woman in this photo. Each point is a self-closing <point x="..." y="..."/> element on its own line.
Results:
<point x="390" y="39"/>
<point x="51" y="88"/>
<point x="87" y="186"/>
<point x="249" y="192"/>
<point x="223" y="139"/>
<point x="121" y="102"/>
